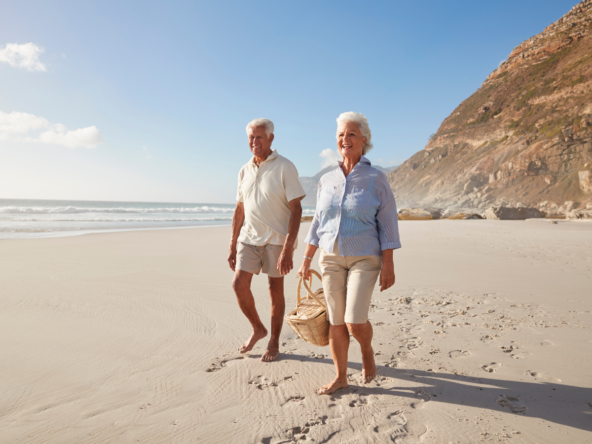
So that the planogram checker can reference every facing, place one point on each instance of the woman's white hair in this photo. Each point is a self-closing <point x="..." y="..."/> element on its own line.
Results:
<point x="362" y="122"/>
<point x="257" y="123"/>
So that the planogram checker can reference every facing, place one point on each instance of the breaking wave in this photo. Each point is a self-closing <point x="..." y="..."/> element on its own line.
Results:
<point x="116" y="210"/>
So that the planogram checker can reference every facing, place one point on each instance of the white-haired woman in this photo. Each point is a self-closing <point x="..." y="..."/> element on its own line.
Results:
<point x="355" y="225"/>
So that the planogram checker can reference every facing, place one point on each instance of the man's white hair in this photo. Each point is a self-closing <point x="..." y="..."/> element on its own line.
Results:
<point x="257" y="123"/>
<point x="362" y="122"/>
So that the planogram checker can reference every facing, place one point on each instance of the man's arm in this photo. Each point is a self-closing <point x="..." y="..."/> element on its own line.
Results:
<point x="238" y="218"/>
<point x="285" y="263"/>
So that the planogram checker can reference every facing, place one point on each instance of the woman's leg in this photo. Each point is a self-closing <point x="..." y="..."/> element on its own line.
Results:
<point x="363" y="334"/>
<point x="334" y="285"/>
<point x="363" y="273"/>
<point x="339" y="344"/>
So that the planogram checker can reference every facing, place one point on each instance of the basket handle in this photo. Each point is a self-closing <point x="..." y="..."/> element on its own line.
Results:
<point x="299" y="286"/>
<point x="310" y="293"/>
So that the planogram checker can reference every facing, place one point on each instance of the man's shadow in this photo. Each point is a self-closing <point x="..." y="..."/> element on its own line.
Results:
<point x="551" y="401"/>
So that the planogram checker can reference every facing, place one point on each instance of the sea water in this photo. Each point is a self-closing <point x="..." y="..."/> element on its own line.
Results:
<point x="22" y="218"/>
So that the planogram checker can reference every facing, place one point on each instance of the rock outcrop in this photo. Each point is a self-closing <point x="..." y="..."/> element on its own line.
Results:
<point x="581" y="215"/>
<point x="506" y="213"/>
<point x="419" y="214"/>
<point x="524" y="137"/>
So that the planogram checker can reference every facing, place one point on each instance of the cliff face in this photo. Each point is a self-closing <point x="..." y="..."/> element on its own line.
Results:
<point x="524" y="137"/>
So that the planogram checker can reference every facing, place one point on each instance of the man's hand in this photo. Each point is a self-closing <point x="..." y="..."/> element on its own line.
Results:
<point x="285" y="263"/>
<point x="387" y="276"/>
<point x="232" y="258"/>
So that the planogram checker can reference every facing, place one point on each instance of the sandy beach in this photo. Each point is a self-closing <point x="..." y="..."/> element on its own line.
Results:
<point x="132" y="337"/>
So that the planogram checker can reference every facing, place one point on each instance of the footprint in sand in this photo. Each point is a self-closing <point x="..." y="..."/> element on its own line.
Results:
<point x="413" y="343"/>
<point x="297" y="433"/>
<point x="217" y="366"/>
<point x="423" y="397"/>
<point x="458" y="353"/>
<point x="511" y="403"/>
<point x="490" y="368"/>
<point x="394" y="428"/>
<point x="316" y="356"/>
<point x="379" y="323"/>
<point x="393" y="363"/>
<point x="539" y="375"/>
<point x="509" y="348"/>
<point x="263" y="383"/>
<point x="294" y="400"/>
<point x="360" y="402"/>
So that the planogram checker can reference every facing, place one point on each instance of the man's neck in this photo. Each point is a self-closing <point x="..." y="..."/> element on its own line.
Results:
<point x="259" y="160"/>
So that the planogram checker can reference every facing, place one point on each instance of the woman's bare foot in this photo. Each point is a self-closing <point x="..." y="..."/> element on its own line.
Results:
<point x="248" y="346"/>
<point x="368" y="366"/>
<point x="333" y="386"/>
<point x="271" y="354"/>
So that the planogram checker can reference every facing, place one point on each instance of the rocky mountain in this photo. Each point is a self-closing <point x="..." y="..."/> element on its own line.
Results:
<point x="310" y="184"/>
<point x="523" y="138"/>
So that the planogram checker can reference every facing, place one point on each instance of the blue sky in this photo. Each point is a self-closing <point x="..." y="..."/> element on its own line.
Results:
<point x="148" y="100"/>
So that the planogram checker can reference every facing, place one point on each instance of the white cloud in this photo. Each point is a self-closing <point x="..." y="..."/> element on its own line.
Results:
<point x="83" y="137"/>
<point x="330" y="157"/>
<point x="20" y="127"/>
<point x="21" y="123"/>
<point x="22" y="56"/>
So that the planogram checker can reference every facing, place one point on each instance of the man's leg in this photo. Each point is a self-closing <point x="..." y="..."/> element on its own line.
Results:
<point x="241" y="284"/>
<point x="278" y="308"/>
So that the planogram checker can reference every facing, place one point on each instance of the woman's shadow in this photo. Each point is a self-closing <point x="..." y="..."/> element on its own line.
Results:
<point x="554" y="402"/>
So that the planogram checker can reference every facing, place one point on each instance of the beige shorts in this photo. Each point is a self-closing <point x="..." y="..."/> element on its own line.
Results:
<point x="348" y="283"/>
<point x="254" y="259"/>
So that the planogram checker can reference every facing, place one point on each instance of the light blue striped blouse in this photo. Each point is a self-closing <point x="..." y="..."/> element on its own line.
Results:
<point x="358" y="210"/>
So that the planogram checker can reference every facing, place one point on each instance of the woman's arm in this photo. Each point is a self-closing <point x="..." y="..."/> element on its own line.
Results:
<point x="387" y="274"/>
<point x="305" y="267"/>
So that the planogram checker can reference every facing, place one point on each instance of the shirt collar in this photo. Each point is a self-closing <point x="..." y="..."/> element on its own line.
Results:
<point x="272" y="156"/>
<point x="363" y="161"/>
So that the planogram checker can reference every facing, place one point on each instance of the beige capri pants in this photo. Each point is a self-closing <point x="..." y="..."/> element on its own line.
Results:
<point x="348" y="283"/>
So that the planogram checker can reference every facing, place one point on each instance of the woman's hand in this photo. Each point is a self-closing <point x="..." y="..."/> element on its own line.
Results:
<point x="387" y="274"/>
<point x="305" y="269"/>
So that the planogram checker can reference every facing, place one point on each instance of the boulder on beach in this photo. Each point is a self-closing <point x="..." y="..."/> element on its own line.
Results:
<point x="508" y="213"/>
<point x="420" y="214"/>
<point x="579" y="215"/>
<point x="462" y="216"/>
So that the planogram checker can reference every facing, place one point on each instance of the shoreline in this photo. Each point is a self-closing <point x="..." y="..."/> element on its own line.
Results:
<point x="74" y="232"/>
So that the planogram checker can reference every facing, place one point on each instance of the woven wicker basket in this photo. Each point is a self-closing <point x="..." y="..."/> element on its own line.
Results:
<point x="309" y="318"/>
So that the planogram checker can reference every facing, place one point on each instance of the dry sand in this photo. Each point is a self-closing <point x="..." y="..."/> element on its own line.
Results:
<point x="132" y="337"/>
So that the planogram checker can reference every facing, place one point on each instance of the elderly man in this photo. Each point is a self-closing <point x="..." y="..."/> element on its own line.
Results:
<point x="264" y="230"/>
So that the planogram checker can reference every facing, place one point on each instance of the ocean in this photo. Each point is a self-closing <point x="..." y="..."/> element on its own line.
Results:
<point x="25" y="218"/>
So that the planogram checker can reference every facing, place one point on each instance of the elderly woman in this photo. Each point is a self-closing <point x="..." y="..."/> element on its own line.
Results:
<point x="355" y="225"/>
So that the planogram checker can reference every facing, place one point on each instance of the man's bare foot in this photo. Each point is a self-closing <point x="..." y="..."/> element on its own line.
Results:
<point x="332" y="387"/>
<point x="271" y="354"/>
<point x="368" y="367"/>
<point x="248" y="346"/>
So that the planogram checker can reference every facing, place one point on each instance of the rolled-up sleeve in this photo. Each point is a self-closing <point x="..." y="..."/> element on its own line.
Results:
<point x="386" y="216"/>
<point x="312" y="237"/>
<point x="239" y="191"/>
<point x="292" y="184"/>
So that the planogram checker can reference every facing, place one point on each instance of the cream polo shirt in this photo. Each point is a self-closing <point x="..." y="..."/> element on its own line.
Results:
<point x="265" y="191"/>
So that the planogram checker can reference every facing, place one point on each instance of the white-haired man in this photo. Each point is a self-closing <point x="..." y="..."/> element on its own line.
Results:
<point x="264" y="230"/>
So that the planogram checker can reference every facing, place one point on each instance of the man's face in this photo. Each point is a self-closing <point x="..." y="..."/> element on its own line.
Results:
<point x="259" y="143"/>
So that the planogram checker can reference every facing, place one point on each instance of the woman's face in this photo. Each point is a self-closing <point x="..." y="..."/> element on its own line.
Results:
<point x="350" y="141"/>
